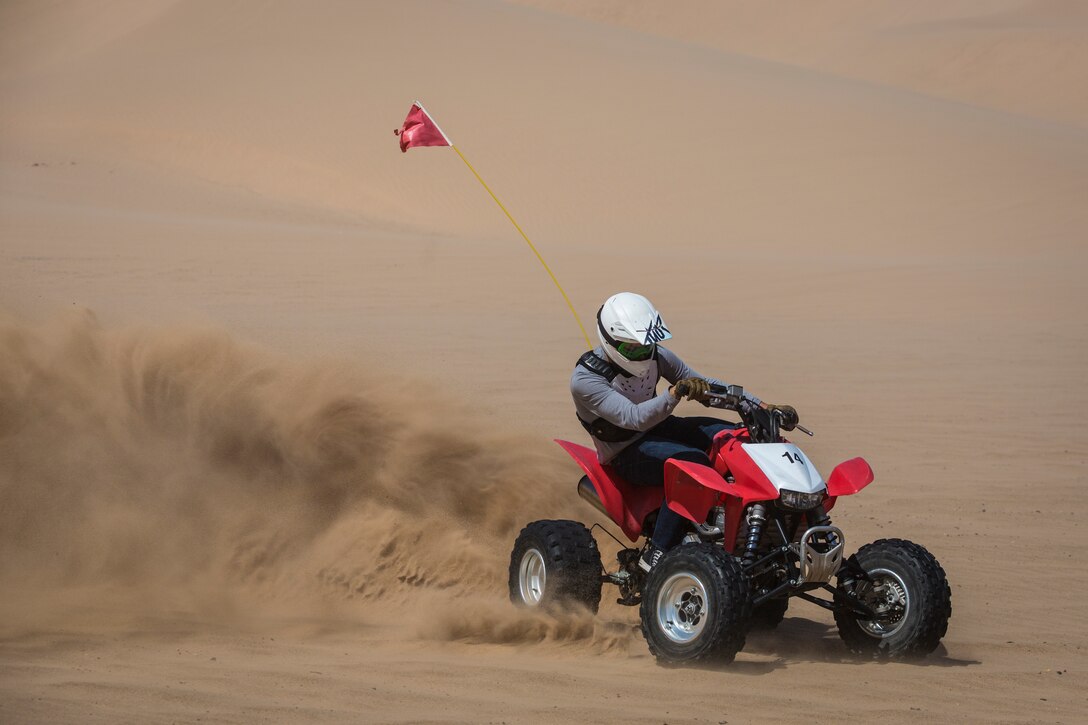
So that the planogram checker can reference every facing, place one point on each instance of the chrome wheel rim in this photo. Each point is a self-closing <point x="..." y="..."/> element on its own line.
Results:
<point x="532" y="575"/>
<point x="682" y="607"/>
<point x="893" y="602"/>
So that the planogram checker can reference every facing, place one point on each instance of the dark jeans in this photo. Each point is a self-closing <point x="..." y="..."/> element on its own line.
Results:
<point x="643" y="463"/>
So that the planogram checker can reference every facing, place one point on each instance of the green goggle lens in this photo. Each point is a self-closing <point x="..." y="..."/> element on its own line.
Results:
<point x="635" y="352"/>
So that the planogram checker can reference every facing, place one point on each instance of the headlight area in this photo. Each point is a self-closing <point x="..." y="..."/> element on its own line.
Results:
<point x="798" y="501"/>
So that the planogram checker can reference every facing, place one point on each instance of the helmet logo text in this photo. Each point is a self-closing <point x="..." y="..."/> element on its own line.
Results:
<point x="656" y="332"/>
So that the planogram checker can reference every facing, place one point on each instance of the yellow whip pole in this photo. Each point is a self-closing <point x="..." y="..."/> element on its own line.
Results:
<point x="527" y="241"/>
<point x="429" y="141"/>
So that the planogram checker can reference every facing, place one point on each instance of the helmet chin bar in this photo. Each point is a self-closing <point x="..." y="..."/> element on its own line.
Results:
<point x="628" y="368"/>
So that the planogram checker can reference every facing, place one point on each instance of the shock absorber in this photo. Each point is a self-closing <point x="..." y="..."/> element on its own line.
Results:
<point x="757" y="518"/>
<point x="819" y="517"/>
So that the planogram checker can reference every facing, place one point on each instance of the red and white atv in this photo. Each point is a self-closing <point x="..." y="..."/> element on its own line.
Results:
<point x="759" y="535"/>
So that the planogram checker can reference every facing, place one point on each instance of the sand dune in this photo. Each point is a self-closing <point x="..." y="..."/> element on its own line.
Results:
<point x="275" y="398"/>
<point x="1017" y="56"/>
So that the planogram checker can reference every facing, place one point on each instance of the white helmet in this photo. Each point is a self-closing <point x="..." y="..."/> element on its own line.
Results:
<point x="630" y="328"/>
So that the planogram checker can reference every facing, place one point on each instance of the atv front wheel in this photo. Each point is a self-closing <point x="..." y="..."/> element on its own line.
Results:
<point x="909" y="592"/>
<point x="696" y="606"/>
<point x="555" y="564"/>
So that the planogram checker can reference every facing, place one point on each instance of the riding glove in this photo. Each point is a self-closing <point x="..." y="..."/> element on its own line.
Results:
<point x="691" y="388"/>
<point x="789" y="415"/>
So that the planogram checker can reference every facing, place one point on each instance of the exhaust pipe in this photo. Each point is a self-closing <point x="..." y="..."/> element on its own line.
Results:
<point x="587" y="492"/>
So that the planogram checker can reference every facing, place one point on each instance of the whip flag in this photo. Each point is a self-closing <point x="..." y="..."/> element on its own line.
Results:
<point x="420" y="129"/>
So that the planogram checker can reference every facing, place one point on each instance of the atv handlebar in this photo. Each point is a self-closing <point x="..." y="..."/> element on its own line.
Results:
<point x="804" y="430"/>
<point x="731" y="397"/>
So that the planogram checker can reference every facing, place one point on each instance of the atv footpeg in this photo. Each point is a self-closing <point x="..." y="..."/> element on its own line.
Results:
<point x="629" y="587"/>
<point x="629" y="578"/>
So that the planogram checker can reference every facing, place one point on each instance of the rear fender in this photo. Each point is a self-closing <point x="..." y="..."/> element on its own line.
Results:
<point x="627" y="505"/>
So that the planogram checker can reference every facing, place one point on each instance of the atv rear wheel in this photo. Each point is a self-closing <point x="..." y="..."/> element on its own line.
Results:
<point x="555" y="564"/>
<point x="696" y="606"/>
<point x="911" y="594"/>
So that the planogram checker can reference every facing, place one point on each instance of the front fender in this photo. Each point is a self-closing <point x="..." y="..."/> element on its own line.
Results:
<point x="849" y="477"/>
<point x="692" y="488"/>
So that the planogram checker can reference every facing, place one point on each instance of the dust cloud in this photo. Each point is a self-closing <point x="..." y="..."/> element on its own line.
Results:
<point x="180" y="470"/>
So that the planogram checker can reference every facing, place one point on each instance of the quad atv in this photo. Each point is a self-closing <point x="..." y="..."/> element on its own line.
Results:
<point x="758" y="536"/>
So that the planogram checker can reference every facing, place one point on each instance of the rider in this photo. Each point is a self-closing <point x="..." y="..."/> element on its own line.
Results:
<point x="616" y="400"/>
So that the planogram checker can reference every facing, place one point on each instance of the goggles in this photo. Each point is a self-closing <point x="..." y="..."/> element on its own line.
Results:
<point x="635" y="352"/>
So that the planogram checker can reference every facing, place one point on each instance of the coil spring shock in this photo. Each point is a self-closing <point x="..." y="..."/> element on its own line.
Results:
<point x="757" y="518"/>
<point x="820" y="518"/>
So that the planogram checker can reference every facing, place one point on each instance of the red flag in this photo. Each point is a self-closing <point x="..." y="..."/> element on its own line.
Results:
<point x="419" y="129"/>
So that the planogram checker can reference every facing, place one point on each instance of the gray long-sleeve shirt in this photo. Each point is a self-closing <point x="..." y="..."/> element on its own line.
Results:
<point x="629" y="402"/>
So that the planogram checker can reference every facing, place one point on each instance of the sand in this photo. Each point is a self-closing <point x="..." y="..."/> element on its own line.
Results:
<point x="275" y="398"/>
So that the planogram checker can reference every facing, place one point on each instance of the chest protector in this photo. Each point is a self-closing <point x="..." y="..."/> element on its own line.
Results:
<point x="600" y="428"/>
